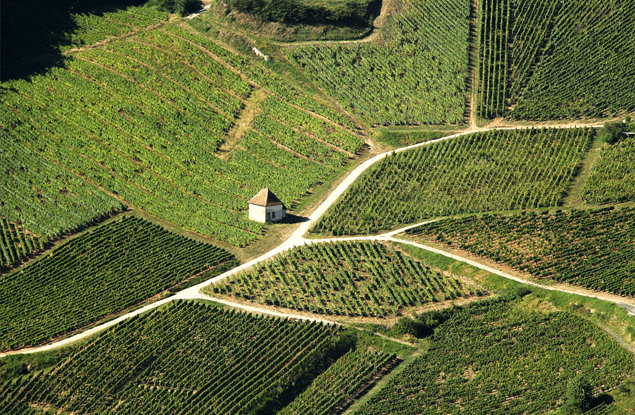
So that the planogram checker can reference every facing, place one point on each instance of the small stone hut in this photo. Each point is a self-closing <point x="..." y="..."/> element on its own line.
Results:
<point x="266" y="207"/>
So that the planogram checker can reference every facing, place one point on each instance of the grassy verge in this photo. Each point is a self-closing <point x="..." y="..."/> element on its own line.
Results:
<point x="404" y="136"/>
<point x="603" y="313"/>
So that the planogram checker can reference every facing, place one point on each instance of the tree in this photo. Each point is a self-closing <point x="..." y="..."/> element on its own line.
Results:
<point x="612" y="132"/>
<point x="181" y="7"/>
<point x="579" y="394"/>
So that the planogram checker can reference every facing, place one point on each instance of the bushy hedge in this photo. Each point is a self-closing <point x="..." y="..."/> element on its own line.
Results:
<point x="352" y="13"/>
<point x="180" y="7"/>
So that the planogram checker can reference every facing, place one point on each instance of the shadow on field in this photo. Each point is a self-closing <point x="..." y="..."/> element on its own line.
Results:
<point x="294" y="219"/>
<point x="33" y="31"/>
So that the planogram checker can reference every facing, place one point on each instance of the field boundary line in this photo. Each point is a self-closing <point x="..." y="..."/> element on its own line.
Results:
<point x="297" y="239"/>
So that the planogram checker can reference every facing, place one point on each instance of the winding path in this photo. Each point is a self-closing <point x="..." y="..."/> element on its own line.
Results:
<point x="297" y="239"/>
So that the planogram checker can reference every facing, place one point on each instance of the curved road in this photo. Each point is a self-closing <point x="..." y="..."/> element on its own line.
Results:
<point x="297" y="238"/>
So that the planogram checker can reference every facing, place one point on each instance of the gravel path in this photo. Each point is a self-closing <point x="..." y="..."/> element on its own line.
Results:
<point x="297" y="239"/>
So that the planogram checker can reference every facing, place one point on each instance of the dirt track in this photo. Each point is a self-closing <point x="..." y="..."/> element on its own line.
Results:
<point x="297" y="239"/>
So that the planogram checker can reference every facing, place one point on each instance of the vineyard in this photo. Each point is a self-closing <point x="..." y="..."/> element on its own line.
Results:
<point x="344" y="279"/>
<point x="29" y="36"/>
<point x="552" y="59"/>
<point x="99" y="273"/>
<point x="337" y="383"/>
<point x="17" y="244"/>
<point x="413" y="73"/>
<point x="592" y="249"/>
<point x="41" y="201"/>
<point x="495" y="170"/>
<point x="186" y="358"/>
<point x="613" y="177"/>
<point x="144" y="118"/>
<point x="494" y="357"/>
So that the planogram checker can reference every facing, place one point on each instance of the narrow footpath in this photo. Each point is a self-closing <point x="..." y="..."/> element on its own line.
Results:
<point x="297" y="239"/>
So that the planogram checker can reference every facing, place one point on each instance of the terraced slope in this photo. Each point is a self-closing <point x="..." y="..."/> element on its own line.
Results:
<point x="99" y="273"/>
<point x="37" y="31"/>
<point x="40" y="201"/>
<point x="148" y="117"/>
<point x="347" y="278"/>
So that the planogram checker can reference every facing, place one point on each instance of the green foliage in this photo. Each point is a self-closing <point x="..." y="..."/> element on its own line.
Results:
<point x="39" y="32"/>
<point x="404" y="138"/>
<point x="413" y="73"/>
<point x="612" y="132"/>
<point x="495" y="357"/>
<point x="188" y="356"/>
<point x="42" y="199"/>
<point x="350" y="12"/>
<point x="338" y="382"/>
<point x="613" y="176"/>
<point x="352" y="279"/>
<point x="101" y="272"/>
<point x="579" y="394"/>
<point x="180" y="7"/>
<point x="540" y="60"/>
<point x="592" y="248"/>
<point x="496" y="170"/>
<point x="16" y="244"/>
<point x="145" y="118"/>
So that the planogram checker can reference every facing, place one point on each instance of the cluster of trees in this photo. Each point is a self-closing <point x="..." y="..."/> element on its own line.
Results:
<point x="613" y="131"/>
<point x="180" y="7"/>
<point x="350" y="13"/>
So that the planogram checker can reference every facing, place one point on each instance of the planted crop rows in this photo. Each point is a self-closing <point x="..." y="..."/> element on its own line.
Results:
<point x="185" y="359"/>
<point x="544" y="60"/>
<point x="16" y="243"/>
<point x="613" y="176"/>
<point x="43" y="199"/>
<point x="145" y="117"/>
<point x="37" y="33"/>
<point x="337" y="383"/>
<point x="592" y="249"/>
<point x="96" y="274"/>
<point x="496" y="170"/>
<point x="414" y="73"/>
<point x="349" y="279"/>
<point x="497" y="358"/>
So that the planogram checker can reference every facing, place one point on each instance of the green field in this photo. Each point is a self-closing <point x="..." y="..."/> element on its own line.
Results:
<point x="16" y="243"/>
<point x="546" y="60"/>
<point x="132" y="139"/>
<point x="338" y="382"/>
<point x="345" y="279"/>
<point x="42" y="201"/>
<point x="495" y="357"/>
<point x="185" y="358"/>
<point x="99" y="273"/>
<point x="590" y="248"/>
<point x="37" y="34"/>
<point x="613" y="177"/>
<point x="155" y="137"/>
<point x="413" y="73"/>
<point x="492" y="171"/>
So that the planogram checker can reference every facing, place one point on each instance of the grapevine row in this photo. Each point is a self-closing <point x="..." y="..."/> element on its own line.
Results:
<point x="96" y="274"/>
<point x="496" y="170"/>
<point x="350" y="279"/>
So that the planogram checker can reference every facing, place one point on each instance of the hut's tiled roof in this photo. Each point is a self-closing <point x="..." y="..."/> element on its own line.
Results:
<point x="265" y="197"/>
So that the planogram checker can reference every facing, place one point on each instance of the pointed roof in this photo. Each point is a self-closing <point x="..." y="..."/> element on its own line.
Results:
<point x="265" y="197"/>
